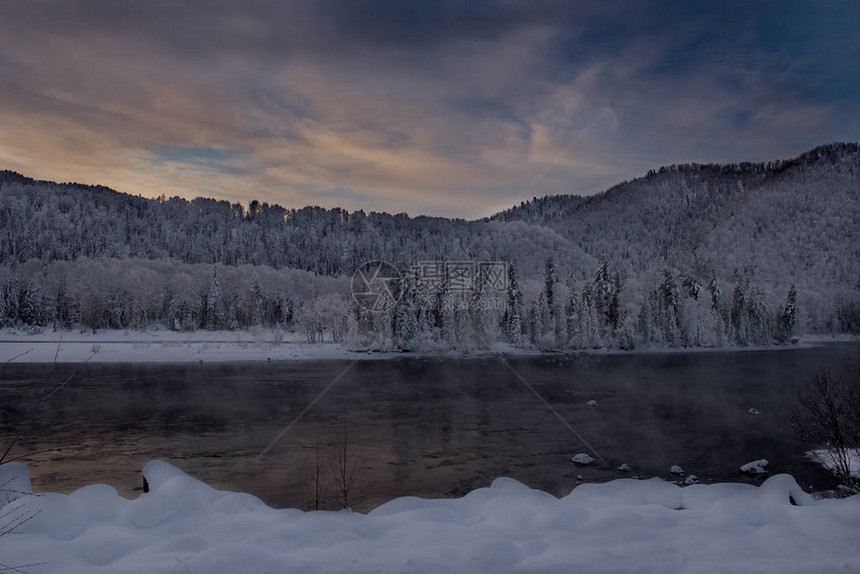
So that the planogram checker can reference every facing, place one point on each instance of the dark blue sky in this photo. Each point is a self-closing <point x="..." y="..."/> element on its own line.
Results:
<point x="442" y="108"/>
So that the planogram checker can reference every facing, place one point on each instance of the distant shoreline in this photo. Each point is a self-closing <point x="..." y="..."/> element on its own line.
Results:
<point x="165" y="346"/>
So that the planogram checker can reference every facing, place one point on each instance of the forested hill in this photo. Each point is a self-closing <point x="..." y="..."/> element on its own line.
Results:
<point x="792" y="220"/>
<point x="774" y="223"/>
<point x="645" y="263"/>
<point x="540" y="209"/>
<point x="51" y="221"/>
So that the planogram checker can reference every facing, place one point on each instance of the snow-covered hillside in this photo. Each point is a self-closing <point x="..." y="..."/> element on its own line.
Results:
<point x="687" y="256"/>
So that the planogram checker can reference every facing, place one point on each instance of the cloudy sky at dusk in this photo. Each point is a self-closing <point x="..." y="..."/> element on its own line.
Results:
<point x="439" y="108"/>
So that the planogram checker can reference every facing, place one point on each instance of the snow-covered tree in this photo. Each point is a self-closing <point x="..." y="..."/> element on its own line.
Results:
<point x="759" y="318"/>
<point x="787" y="317"/>
<point x="406" y="314"/>
<point x="513" y="322"/>
<point x="668" y="317"/>
<point x="572" y="316"/>
<point x="715" y="291"/>
<point x="550" y="279"/>
<point x="739" y="314"/>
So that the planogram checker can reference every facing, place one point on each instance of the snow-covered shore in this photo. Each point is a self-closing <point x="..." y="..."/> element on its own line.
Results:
<point x="183" y="525"/>
<point x="165" y="346"/>
<point x="161" y="346"/>
<point x="829" y="459"/>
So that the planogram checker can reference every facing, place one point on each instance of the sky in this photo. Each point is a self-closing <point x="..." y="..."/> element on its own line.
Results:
<point x="447" y="108"/>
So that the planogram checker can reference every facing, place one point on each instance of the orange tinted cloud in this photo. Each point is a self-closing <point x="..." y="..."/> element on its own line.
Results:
<point x="457" y="111"/>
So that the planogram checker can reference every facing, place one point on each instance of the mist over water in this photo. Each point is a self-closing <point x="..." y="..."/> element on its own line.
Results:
<point x="425" y="427"/>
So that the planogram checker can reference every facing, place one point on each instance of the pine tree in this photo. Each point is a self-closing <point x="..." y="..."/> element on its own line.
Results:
<point x="92" y="311"/>
<point x="513" y="318"/>
<point x="550" y="279"/>
<point x="648" y="333"/>
<point x="787" y="316"/>
<point x="590" y="323"/>
<point x="670" y="311"/>
<point x="543" y="318"/>
<point x="602" y="286"/>
<point x="559" y="319"/>
<point x="606" y="288"/>
<point x="478" y="311"/>
<point x="572" y="316"/>
<point x="62" y="308"/>
<point x="759" y="319"/>
<point x="739" y="315"/>
<point x="213" y="304"/>
<point x="462" y="320"/>
<point x="692" y="287"/>
<point x="406" y="320"/>
<point x="258" y="302"/>
<point x="445" y="311"/>
<point x="12" y="301"/>
<point x="716" y="292"/>
<point x="614" y="309"/>
<point x="534" y="328"/>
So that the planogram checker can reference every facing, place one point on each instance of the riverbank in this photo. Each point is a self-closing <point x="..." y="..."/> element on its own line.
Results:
<point x="165" y="346"/>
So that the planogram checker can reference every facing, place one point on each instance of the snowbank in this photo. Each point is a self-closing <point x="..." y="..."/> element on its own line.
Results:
<point x="161" y="346"/>
<point x="183" y="525"/>
<point x="827" y="459"/>
<point x="164" y="346"/>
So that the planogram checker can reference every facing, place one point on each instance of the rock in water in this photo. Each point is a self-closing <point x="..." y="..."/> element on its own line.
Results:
<point x="582" y="458"/>
<point x="755" y="467"/>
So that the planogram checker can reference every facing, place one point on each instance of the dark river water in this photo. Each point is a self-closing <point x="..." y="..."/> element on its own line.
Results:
<point x="426" y="427"/>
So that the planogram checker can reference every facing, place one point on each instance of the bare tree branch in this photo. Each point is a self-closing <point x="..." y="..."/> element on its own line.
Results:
<point x="31" y="415"/>
<point x="830" y="417"/>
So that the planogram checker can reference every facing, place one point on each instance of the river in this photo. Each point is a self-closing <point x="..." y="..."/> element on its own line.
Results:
<point x="416" y="426"/>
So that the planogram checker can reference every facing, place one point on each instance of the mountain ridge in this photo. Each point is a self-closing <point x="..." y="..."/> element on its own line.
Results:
<point x="825" y="152"/>
<point x="726" y="219"/>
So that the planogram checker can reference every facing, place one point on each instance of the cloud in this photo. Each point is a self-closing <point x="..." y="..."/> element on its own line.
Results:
<point x="442" y="108"/>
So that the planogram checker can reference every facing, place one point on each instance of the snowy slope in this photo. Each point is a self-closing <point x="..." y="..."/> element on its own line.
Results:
<point x="789" y="221"/>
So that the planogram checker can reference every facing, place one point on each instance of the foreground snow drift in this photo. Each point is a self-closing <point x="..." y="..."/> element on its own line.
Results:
<point x="183" y="525"/>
